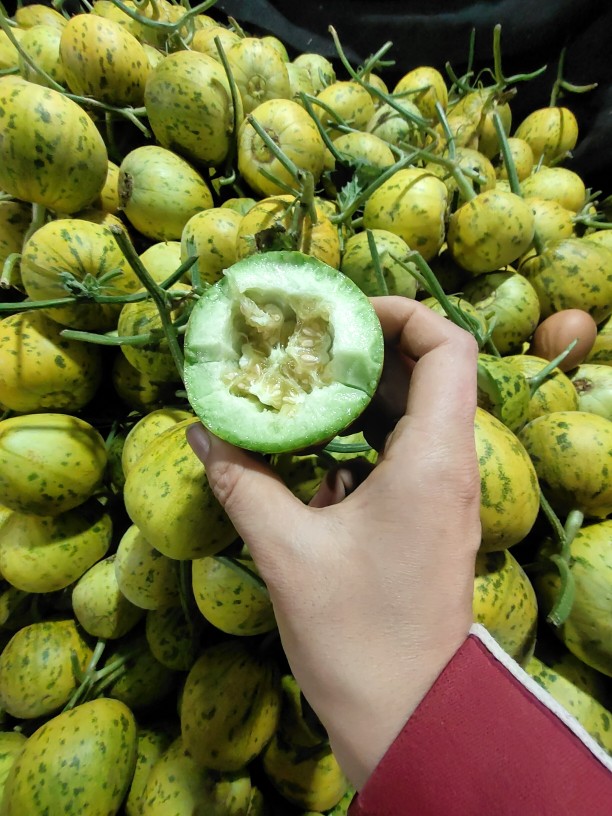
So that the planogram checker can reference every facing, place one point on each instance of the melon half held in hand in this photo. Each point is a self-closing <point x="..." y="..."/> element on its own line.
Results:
<point x="282" y="353"/>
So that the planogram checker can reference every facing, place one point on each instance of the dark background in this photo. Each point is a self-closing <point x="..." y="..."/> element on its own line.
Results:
<point x="432" y="33"/>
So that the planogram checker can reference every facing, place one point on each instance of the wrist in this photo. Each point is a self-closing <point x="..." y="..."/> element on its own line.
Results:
<point x="364" y="724"/>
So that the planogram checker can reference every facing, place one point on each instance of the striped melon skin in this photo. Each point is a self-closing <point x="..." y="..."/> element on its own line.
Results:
<point x="230" y="706"/>
<point x="49" y="463"/>
<point x="504" y="602"/>
<point x="590" y="714"/>
<point x="168" y="497"/>
<point x="36" y="669"/>
<point x="81" y="761"/>
<point x="573" y="273"/>
<point x="571" y="453"/>
<point x="51" y="152"/>
<point x="101" y="59"/>
<point x="587" y="632"/>
<point x="189" y="105"/>
<point x="509" y="500"/>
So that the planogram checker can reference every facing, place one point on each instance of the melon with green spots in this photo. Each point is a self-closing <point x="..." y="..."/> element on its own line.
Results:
<point x="232" y="596"/>
<point x="310" y="779"/>
<point x="490" y="231"/>
<point x="392" y="254"/>
<point x="511" y="304"/>
<point x="42" y="371"/>
<point x="573" y="273"/>
<point x="168" y="497"/>
<point x="48" y="553"/>
<point x="159" y="192"/>
<point x="81" y="761"/>
<point x="230" y="706"/>
<point x="587" y="631"/>
<point x="555" y="393"/>
<point x="504" y="602"/>
<point x="178" y="785"/>
<point x="146" y="577"/>
<point x="412" y="204"/>
<point x="551" y="132"/>
<point x="601" y="353"/>
<point x="171" y="638"/>
<point x="145" y="431"/>
<point x="152" y="743"/>
<point x="51" y="152"/>
<point x="99" y="605"/>
<point x="103" y="60"/>
<point x="49" y="463"/>
<point x="593" y="717"/>
<point x="556" y="184"/>
<point x="211" y="235"/>
<point x="139" y="680"/>
<point x="63" y="256"/>
<point x="502" y="390"/>
<point x="593" y="384"/>
<point x="15" y="217"/>
<point x="37" y="674"/>
<point x="510" y="496"/>
<point x="11" y="745"/>
<point x="137" y="390"/>
<point x="299" y="725"/>
<point x="42" y="43"/>
<point x="572" y="454"/>
<point x="190" y="107"/>
<point x="153" y="358"/>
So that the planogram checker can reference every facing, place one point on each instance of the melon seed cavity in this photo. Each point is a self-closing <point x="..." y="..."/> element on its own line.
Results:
<point x="285" y="349"/>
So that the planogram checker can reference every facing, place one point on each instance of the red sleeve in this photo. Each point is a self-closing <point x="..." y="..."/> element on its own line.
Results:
<point x="488" y="740"/>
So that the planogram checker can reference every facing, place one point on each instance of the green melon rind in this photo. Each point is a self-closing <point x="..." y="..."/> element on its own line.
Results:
<point x="356" y="367"/>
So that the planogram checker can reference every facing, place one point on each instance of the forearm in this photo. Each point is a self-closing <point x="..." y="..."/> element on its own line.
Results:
<point x="488" y="739"/>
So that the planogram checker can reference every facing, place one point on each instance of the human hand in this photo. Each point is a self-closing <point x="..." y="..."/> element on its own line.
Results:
<point x="372" y="586"/>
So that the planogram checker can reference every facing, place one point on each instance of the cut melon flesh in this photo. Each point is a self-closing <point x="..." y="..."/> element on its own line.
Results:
<point x="283" y="352"/>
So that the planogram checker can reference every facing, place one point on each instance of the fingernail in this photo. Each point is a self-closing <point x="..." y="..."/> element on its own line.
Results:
<point x="199" y="440"/>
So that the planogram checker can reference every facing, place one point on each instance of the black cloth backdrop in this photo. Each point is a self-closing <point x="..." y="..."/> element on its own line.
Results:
<point x="426" y="32"/>
<point x="433" y="32"/>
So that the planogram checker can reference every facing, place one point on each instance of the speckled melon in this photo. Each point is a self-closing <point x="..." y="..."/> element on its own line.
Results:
<point x="51" y="152"/>
<point x="37" y="668"/>
<point x="510" y="495"/>
<point x="102" y="59"/>
<point x="230" y="706"/>
<point x="49" y="463"/>
<point x="146" y="577"/>
<point x="504" y="602"/>
<point x="168" y="497"/>
<point x="81" y="761"/>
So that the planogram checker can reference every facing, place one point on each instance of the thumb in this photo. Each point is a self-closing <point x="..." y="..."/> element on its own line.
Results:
<point x="260" y="506"/>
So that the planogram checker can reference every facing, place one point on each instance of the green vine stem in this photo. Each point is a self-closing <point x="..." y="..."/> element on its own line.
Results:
<point x="513" y="178"/>
<point x="502" y="81"/>
<point x="85" y="679"/>
<point x="537" y="379"/>
<point x="380" y="278"/>
<point x="230" y="173"/>
<point x="564" y="536"/>
<point x="421" y="123"/>
<point x="39" y="214"/>
<point x="159" y="296"/>
<point x="428" y="281"/>
<point x="8" y="266"/>
<point x="560" y="84"/>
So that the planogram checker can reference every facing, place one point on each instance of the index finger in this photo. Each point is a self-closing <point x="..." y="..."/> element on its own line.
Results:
<point x="443" y="381"/>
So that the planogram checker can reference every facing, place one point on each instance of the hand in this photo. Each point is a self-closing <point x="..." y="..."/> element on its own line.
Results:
<point x="372" y="586"/>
